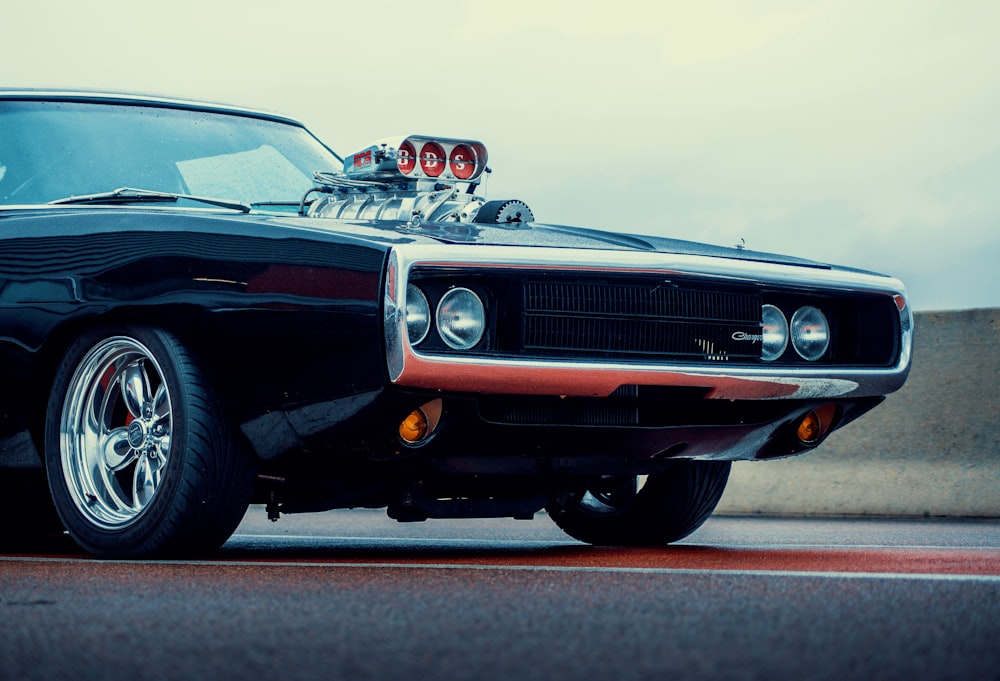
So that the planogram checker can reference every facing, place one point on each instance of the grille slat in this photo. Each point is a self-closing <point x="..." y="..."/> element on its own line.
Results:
<point x="639" y="320"/>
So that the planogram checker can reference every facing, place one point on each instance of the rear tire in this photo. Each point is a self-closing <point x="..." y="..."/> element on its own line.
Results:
<point x="630" y="511"/>
<point x="140" y="461"/>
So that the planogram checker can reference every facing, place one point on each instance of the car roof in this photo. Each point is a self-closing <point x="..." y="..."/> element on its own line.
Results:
<point x="130" y="98"/>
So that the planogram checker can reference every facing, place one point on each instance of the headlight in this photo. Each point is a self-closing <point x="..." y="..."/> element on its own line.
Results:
<point x="461" y="318"/>
<point x="774" y="333"/>
<point x="810" y="333"/>
<point x="418" y="314"/>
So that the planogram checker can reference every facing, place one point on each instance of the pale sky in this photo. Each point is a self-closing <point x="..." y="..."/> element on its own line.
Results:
<point x="862" y="133"/>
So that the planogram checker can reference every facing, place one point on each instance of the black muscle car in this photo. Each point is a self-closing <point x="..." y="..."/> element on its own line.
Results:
<point x="203" y="307"/>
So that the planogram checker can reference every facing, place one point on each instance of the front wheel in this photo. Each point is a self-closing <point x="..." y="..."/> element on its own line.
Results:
<point x="140" y="462"/>
<point x="644" y="510"/>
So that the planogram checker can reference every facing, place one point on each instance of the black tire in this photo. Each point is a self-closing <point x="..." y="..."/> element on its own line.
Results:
<point x="668" y="507"/>
<point x="140" y="462"/>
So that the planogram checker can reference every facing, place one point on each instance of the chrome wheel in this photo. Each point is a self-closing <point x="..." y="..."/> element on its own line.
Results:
<point x="115" y="432"/>
<point x="140" y="458"/>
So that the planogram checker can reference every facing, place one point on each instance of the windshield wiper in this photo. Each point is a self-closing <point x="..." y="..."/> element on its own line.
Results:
<point x="125" y="195"/>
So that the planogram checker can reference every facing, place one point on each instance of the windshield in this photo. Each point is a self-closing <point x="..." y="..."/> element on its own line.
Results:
<point x="53" y="150"/>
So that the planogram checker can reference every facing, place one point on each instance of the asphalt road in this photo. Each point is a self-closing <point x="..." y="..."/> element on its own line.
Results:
<point x="352" y="595"/>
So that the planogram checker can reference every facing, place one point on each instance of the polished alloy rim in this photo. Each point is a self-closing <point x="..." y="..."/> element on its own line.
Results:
<point x="115" y="432"/>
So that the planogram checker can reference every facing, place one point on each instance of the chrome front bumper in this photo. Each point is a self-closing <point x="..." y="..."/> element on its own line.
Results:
<point x="477" y="374"/>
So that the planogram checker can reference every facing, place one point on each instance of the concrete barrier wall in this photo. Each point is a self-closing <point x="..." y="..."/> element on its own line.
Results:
<point x="932" y="449"/>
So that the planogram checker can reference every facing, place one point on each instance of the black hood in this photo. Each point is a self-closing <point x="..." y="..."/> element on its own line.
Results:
<point x="549" y="236"/>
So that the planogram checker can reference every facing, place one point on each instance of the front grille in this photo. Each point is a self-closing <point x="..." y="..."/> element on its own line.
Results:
<point x="640" y="320"/>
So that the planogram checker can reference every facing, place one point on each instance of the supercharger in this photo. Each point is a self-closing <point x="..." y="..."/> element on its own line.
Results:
<point x="415" y="178"/>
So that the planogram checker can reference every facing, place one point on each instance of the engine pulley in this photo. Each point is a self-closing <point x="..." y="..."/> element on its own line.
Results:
<point x="505" y="212"/>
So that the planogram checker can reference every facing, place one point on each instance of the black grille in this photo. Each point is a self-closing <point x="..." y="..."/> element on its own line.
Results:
<point x="640" y="320"/>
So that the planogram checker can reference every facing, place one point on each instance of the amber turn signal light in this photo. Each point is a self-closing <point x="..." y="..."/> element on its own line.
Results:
<point x="413" y="429"/>
<point x="816" y="424"/>
<point x="420" y="423"/>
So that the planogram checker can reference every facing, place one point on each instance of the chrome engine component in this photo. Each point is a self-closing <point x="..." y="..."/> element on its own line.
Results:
<point x="413" y="179"/>
<point x="505" y="212"/>
<point x="379" y="202"/>
<point x="419" y="157"/>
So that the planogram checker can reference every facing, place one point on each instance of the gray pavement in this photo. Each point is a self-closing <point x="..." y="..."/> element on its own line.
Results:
<point x="270" y="607"/>
<point x="721" y="529"/>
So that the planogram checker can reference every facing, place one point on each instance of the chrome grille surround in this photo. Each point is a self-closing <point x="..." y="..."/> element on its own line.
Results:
<point x="596" y="376"/>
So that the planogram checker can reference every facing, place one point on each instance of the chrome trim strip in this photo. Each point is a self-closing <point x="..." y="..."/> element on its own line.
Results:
<point x="137" y="99"/>
<point x="544" y="377"/>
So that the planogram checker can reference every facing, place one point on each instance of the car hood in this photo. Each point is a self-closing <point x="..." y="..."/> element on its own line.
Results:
<point x="544" y="235"/>
<point x="388" y="233"/>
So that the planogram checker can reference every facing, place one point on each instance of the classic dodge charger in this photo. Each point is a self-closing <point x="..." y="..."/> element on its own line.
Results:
<point x="204" y="307"/>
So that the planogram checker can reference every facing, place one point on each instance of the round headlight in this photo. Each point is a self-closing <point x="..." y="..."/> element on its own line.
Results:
<point x="774" y="333"/>
<point x="810" y="333"/>
<point x="418" y="314"/>
<point x="461" y="318"/>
